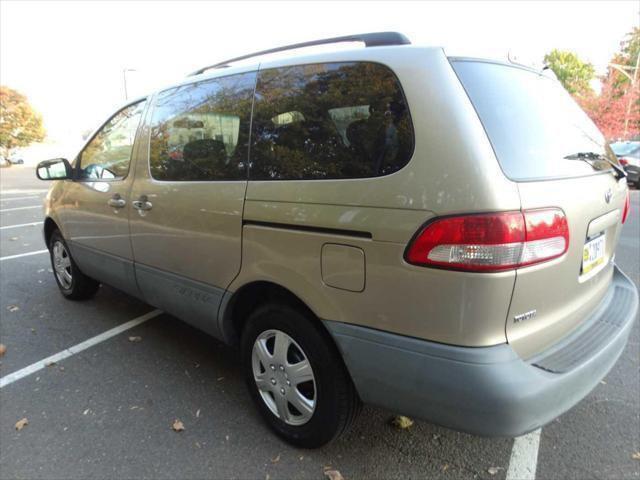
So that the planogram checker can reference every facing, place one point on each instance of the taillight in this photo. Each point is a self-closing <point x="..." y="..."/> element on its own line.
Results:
<point x="491" y="242"/>
<point x="627" y="207"/>
<point x="623" y="161"/>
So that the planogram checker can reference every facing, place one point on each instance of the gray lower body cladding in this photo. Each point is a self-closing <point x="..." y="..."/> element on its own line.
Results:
<point x="486" y="391"/>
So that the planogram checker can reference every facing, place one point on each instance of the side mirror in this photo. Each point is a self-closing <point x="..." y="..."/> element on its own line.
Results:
<point x="56" y="169"/>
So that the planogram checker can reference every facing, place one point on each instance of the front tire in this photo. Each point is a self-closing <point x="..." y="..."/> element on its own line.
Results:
<point x="296" y="377"/>
<point x="73" y="284"/>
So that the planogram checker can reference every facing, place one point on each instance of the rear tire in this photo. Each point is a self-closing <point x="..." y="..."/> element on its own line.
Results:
<point x="73" y="284"/>
<point x="306" y="404"/>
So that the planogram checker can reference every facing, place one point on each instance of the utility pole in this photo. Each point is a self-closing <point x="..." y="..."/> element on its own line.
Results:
<point x="124" y="79"/>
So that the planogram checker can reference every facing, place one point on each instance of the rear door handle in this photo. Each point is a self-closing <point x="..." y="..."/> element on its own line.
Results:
<point x="142" y="203"/>
<point x="116" y="201"/>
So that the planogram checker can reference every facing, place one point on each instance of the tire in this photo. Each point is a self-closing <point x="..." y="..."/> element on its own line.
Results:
<point x="73" y="284"/>
<point x="327" y="404"/>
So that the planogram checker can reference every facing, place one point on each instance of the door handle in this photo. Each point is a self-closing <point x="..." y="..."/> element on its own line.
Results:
<point x="142" y="204"/>
<point x="116" y="201"/>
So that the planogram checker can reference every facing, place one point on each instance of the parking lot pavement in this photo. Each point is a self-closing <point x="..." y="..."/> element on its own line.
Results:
<point x="106" y="412"/>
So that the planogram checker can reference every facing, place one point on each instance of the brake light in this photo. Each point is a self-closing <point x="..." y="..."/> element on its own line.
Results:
<point x="627" y="207"/>
<point x="623" y="161"/>
<point x="491" y="242"/>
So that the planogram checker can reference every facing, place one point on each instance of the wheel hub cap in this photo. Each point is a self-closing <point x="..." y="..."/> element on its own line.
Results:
<point x="284" y="377"/>
<point x="62" y="264"/>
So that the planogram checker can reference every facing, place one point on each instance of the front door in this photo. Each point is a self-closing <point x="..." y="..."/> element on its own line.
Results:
<point x="95" y="213"/>
<point x="188" y="198"/>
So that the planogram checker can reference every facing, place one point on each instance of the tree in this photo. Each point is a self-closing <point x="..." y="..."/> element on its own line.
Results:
<point x="20" y="125"/>
<point x="616" y="113"/>
<point x="573" y="73"/>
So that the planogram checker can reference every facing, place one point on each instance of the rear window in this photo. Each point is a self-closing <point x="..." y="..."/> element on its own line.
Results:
<point x="532" y="122"/>
<point x="329" y="121"/>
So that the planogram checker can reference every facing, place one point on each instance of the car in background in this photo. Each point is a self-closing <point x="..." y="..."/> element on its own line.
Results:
<point x="628" y="154"/>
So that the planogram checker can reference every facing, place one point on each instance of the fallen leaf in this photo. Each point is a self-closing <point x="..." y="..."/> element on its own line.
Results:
<point x="493" y="470"/>
<point x="177" y="426"/>
<point x="198" y="414"/>
<point x="86" y="412"/>
<point x="636" y="456"/>
<point x="276" y="459"/>
<point x="3" y="349"/>
<point x="135" y="339"/>
<point x="445" y="467"/>
<point x="20" y="424"/>
<point x="301" y="457"/>
<point x="13" y="308"/>
<point x="333" y="475"/>
<point x="402" y="422"/>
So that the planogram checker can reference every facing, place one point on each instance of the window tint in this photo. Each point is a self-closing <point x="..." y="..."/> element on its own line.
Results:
<point x="323" y="121"/>
<point x="108" y="155"/>
<point x="200" y="131"/>
<point x="534" y="125"/>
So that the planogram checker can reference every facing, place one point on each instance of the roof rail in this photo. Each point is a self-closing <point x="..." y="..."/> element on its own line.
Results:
<point x="375" y="39"/>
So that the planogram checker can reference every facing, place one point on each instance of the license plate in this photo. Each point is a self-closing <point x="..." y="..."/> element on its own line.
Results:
<point x="593" y="254"/>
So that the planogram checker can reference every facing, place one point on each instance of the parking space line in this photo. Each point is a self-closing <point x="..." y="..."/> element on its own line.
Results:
<point x="19" y="208"/>
<point x="17" y="198"/>
<point x="34" y="367"/>
<point x="37" y="252"/>
<point x="524" y="457"/>
<point x="21" y="225"/>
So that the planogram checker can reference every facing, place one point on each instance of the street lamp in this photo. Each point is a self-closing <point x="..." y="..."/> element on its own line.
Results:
<point x="124" y="79"/>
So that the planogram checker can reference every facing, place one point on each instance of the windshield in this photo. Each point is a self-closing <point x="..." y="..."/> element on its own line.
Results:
<point x="534" y="125"/>
<point x="622" y="149"/>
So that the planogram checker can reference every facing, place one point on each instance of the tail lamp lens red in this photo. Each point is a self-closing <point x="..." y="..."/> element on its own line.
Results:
<point x="627" y="208"/>
<point x="491" y="242"/>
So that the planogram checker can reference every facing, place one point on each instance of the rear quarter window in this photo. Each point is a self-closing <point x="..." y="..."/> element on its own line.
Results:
<point x="329" y="121"/>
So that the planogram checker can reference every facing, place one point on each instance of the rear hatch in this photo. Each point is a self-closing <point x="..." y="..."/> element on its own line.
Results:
<point x="545" y="143"/>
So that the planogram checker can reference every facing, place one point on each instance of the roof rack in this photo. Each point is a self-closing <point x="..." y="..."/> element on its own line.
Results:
<point x="375" y="39"/>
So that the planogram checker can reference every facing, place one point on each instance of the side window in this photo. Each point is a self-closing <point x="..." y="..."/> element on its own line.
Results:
<point x="200" y="131"/>
<point x="108" y="155"/>
<point x="328" y="121"/>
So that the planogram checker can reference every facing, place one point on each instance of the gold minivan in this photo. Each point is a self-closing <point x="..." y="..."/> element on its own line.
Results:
<point x="390" y="225"/>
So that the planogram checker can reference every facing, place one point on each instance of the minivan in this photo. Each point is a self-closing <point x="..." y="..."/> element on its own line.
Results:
<point x="382" y="224"/>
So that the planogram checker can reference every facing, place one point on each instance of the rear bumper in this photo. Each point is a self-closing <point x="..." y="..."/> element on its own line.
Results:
<point x="490" y="390"/>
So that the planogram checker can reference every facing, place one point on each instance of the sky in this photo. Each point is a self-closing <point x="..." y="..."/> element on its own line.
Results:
<point x="69" y="57"/>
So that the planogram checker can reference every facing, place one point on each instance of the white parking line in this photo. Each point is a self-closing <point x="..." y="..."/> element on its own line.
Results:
<point x="34" y="367"/>
<point x="17" y="198"/>
<point x="524" y="457"/>
<point x="19" y="208"/>
<point x="21" y="225"/>
<point x="10" y="257"/>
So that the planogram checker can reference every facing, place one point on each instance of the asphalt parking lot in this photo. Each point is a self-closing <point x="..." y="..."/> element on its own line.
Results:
<point x="107" y="411"/>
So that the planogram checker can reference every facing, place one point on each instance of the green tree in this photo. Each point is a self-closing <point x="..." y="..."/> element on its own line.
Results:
<point x="573" y="73"/>
<point x="20" y="125"/>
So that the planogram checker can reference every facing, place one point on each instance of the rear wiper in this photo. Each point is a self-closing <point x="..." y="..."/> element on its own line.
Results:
<point x="588" y="157"/>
